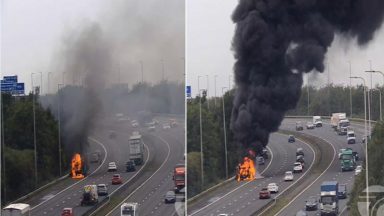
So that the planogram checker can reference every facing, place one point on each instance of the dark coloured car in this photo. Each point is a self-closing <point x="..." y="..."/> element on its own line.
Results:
<point x="170" y="197"/>
<point x="300" y="158"/>
<point x="260" y="160"/>
<point x="299" y="126"/>
<point x="130" y="166"/>
<point x="342" y="193"/>
<point x="311" y="204"/>
<point x="102" y="189"/>
<point x="291" y="139"/>
<point x="264" y="194"/>
<point x="300" y="151"/>
<point x="264" y="153"/>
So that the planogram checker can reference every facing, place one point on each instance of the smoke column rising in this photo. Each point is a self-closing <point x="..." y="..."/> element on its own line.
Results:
<point x="275" y="42"/>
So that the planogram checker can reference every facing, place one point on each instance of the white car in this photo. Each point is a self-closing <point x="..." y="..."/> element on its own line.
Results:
<point x="358" y="170"/>
<point x="288" y="176"/>
<point x="273" y="188"/>
<point x="112" y="167"/>
<point x="166" y="126"/>
<point x="297" y="167"/>
<point x="310" y="125"/>
<point x="152" y="128"/>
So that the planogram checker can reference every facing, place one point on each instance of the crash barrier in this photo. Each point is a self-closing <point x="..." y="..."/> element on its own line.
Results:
<point x="203" y="193"/>
<point x="328" y="117"/>
<point x="323" y="158"/>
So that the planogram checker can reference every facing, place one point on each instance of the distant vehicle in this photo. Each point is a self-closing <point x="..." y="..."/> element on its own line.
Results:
<point x="136" y="148"/>
<point x="299" y="151"/>
<point x="116" y="179"/>
<point x="172" y="123"/>
<point x="264" y="194"/>
<point x="166" y="126"/>
<point x="351" y="139"/>
<point x="358" y="170"/>
<point x="222" y="214"/>
<point x="156" y="121"/>
<point x="342" y="131"/>
<point x="336" y="118"/>
<point x="67" y="212"/>
<point x="311" y="204"/>
<point x="152" y="128"/>
<point x="356" y="155"/>
<point x="90" y="196"/>
<point x="112" y="167"/>
<point x="273" y="187"/>
<point x="310" y="125"/>
<point x="179" y="177"/>
<point x="342" y="193"/>
<point x="95" y="157"/>
<point x="260" y="160"/>
<point x="347" y="160"/>
<point x="316" y="120"/>
<point x="170" y="197"/>
<point x="102" y="189"/>
<point x="300" y="158"/>
<point x="134" y="123"/>
<point x="130" y="166"/>
<point x="297" y="167"/>
<point x="129" y="209"/>
<point x="329" y="203"/>
<point x="264" y="153"/>
<point x="288" y="176"/>
<point x="17" y="209"/>
<point x="291" y="139"/>
<point x="301" y="213"/>
<point x="299" y="126"/>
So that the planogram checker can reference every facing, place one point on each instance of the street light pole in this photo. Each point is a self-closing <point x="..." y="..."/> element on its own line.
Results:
<point x="215" y="89"/>
<point x="201" y="145"/>
<point x="307" y="94"/>
<point x="207" y="98"/>
<point x="41" y="83"/>
<point x="162" y="68"/>
<point x="59" y="122"/>
<point x="379" y="102"/>
<point x="350" y="86"/>
<point x="34" y="129"/>
<point x="142" y="71"/>
<point x="366" y="142"/>
<point x="382" y="74"/>
<point x="49" y="75"/>
<point x="225" y="136"/>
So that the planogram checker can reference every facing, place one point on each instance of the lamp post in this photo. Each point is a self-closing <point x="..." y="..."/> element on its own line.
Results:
<point x="41" y="83"/>
<point x="366" y="142"/>
<point x="162" y="69"/>
<point x="207" y="91"/>
<point x="350" y="87"/>
<point x="49" y="75"/>
<point x="34" y="128"/>
<point x="307" y="94"/>
<point x="201" y="144"/>
<point x="215" y="89"/>
<point x="379" y="101"/>
<point x="225" y="136"/>
<point x="59" y="123"/>
<point x="142" y="71"/>
<point x="382" y="74"/>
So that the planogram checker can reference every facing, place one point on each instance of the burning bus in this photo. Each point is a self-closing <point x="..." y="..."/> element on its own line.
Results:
<point x="77" y="167"/>
<point x="246" y="170"/>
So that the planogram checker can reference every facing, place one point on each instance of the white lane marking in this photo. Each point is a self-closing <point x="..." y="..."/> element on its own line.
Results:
<point x="199" y="210"/>
<point x="334" y="156"/>
<point x="142" y="184"/>
<point x="97" y="169"/>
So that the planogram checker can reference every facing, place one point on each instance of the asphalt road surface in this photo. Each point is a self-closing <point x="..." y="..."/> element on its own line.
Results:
<point x="333" y="173"/>
<point x="243" y="198"/>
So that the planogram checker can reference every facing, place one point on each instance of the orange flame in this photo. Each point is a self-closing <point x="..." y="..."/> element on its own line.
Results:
<point x="246" y="171"/>
<point x="76" y="167"/>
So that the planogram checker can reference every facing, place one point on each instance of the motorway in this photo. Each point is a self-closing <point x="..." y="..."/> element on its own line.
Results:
<point x="243" y="198"/>
<point x="158" y="150"/>
<point x="333" y="173"/>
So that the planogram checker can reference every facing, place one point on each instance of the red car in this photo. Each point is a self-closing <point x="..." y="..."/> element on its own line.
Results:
<point x="67" y="212"/>
<point x="116" y="179"/>
<point x="264" y="194"/>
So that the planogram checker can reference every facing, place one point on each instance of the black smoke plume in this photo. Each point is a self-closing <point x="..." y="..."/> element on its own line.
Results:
<point x="275" y="42"/>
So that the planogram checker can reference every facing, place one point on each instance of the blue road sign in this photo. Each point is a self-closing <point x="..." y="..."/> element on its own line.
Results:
<point x="10" y="79"/>
<point x="189" y="92"/>
<point x="9" y="85"/>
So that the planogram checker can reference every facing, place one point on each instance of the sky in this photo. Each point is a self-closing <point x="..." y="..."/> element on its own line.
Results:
<point x="210" y="32"/>
<point x="36" y="36"/>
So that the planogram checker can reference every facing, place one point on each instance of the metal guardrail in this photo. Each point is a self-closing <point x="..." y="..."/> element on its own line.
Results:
<point x="328" y="117"/>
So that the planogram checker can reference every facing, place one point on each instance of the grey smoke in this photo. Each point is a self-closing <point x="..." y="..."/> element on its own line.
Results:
<point x="275" y="42"/>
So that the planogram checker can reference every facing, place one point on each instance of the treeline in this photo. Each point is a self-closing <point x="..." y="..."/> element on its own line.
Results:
<point x="18" y="160"/>
<point x="375" y="176"/>
<point x="333" y="98"/>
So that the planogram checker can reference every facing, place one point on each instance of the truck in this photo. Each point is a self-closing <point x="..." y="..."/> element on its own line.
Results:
<point x="335" y="118"/>
<point x="316" y="120"/>
<point x="329" y="203"/>
<point x="179" y="177"/>
<point x="351" y="139"/>
<point x="347" y="160"/>
<point x="90" y="195"/>
<point x="136" y="148"/>
<point x="129" y="209"/>
<point x="246" y="170"/>
<point x="17" y="209"/>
